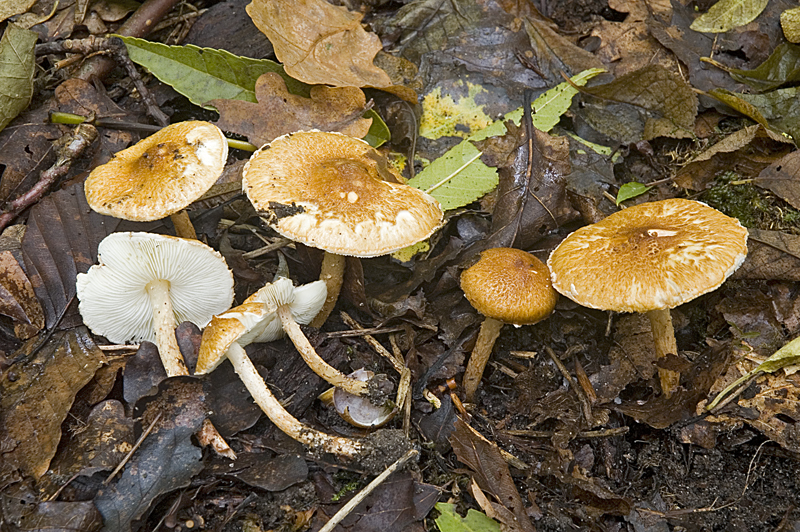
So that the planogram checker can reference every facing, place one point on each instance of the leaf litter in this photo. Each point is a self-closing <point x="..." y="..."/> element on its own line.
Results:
<point x="526" y="454"/>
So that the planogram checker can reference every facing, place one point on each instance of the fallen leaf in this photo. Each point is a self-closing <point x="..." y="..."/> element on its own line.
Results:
<point x="474" y="521"/>
<point x="9" y="8"/>
<point x="17" y="298"/>
<point x="491" y="472"/>
<point x="728" y="14"/>
<point x="645" y="104"/>
<point x="259" y="470"/>
<point x="36" y="395"/>
<point x="771" y="255"/>
<point x="783" y="178"/>
<point x="17" y="64"/>
<point x="23" y="511"/>
<point x="319" y="43"/>
<point x="782" y="67"/>
<point x="165" y="461"/>
<point x="553" y="53"/>
<point x="790" y="23"/>
<point x="279" y="112"/>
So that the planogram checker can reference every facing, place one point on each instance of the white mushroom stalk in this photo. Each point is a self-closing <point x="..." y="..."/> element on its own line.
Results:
<point x="147" y="283"/>
<point x="256" y="321"/>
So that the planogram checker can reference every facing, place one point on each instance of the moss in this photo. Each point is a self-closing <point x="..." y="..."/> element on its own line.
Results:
<point x="752" y="206"/>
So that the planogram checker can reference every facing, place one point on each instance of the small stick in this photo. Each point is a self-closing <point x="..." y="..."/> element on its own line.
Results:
<point x="133" y="449"/>
<point x="586" y="406"/>
<point x="345" y="510"/>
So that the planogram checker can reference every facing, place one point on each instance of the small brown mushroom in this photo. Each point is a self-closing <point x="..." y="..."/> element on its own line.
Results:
<point x="650" y="258"/>
<point x="160" y="175"/>
<point x="507" y="286"/>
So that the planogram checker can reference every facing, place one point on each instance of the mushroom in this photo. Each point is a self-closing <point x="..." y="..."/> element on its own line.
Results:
<point x="146" y="283"/>
<point x="650" y="258"/>
<point x="160" y="175"/>
<point x="256" y="321"/>
<point x="336" y="193"/>
<point x="507" y="286"/>
<point x="359" y="411"/>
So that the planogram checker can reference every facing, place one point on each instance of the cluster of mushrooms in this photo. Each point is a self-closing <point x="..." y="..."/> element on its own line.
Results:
<point x="333" y="192"/>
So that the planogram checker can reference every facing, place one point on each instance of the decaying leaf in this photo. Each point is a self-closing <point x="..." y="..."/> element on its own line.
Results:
<point x="166" y="460"/>
<point x="645" y="104"/>
<point x="554" y="53"/>
<point x="319" y="43"/>
<point x="23" y="509"/>
<point x="260" y="470"/>
<point x="490" y="472"/>
<point x="783" y="178"/>
<point x="279" y="112"/>
<point x="36" y="395"/>
<point x="17" y="299"/>
<point x="782" y="67"/>
<point x="728" y="14"/>
<point x="9" y="8"/>
<point x="771" y="255"/>
<point x="16" y="71"/>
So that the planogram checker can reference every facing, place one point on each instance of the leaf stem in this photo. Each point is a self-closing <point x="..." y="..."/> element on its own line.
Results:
<point x="455" y="173"/>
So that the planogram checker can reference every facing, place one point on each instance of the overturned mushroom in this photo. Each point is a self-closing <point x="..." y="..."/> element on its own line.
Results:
<point x="256" y="321"/>
<point x="507" y="286"/>
<point x="650" y="258"/>
<point x="336" y="193"/>
<point x="147" y="283"/>
<point x="160" y="175"/>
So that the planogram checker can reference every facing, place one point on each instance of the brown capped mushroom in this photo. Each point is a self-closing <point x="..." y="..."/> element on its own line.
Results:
<point x="160" y="175"/>
<point x="650" y="258"/>
<point x="336" y="193"/>
<point x="507" y="286"/>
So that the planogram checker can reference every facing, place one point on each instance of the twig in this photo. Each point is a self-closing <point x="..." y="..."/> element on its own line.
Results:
<point x="364" y="332"/>
<point x="585" y="434"/>
<point x="71" y="147"/>
<point x="345" y="510"/>
<point x="586" y="406"/>
<point x="133" y="449"/>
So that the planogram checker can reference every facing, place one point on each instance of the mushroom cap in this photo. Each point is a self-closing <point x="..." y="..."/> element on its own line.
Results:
<point x="256" y="319"/>
<point x="509" y="285"/>
<point x="160" y="174"/>
<point x="326" y="191"/>
<point x="652" y="256"/>
<point x="114" y="301"/>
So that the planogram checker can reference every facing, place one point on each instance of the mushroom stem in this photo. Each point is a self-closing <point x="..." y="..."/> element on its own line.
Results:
<point x="332" y="272"/>
<point x="664" y="337"/>
<point x="164" y="323"/>
<point x="490" y="330"/>
<point x="282" y="419"/>
<point x="314" y="361"/>
<point x="183" y="225"/>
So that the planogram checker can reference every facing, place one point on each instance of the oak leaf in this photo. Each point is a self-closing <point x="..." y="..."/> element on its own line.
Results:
<point x="279" y="112"/>
<point x="319" y="43"/>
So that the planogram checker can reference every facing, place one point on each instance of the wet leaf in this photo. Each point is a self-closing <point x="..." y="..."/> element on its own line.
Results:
<point x="474" y="521"/>
<point x="37" y="393"/>
<point x="783" y="178"/>
<point x="631" y="190"/>
<point x="17" y="298"/>
<point x="204" y="74"/>
<point x="740" y="105"/>
<point x="490" y="471"/>
<point x="728" y="14"/>
<point x="319" y="43"/>
<point x="61" y="241"/>
<point x="261" y="471"/>
<point x="780" y="107"/>
<point x="22" y="511"/>
<point x="16" y="71"/>
<point x="9" y="8"/>
<point x="554" y="53"/>
<point x="782" y="67"/>
<point x="165" y="461"/>
<point x="459" y="177"/>
<point x="645" y="104"/>
<point x="279" y="112"/>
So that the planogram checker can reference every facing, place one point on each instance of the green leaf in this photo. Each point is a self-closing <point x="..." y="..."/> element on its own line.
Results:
<point x="378" y="132"/>
<point x="728" y="14"/>
<point x="785" y="356"/>
<point x="17" y="64"/>
<point x="631" y="190"/>
<point x="739" y="105"/>
<point x="780" y="68"/>
<point x="475" y="521"/>
<point x="204" y="74"/>
<point x="458" y="177"/>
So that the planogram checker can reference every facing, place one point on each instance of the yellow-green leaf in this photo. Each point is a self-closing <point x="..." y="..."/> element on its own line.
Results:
<point x="17" y="64"/>
<point x="728" y="14"/>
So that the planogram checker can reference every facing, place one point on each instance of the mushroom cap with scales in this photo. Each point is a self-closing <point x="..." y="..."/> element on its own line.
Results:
<point x="327" y="191"/>
<point x="509" y="285"/>
<point x="159" y="175"/>
<point x="113" y="297"/>
<point x="651" y="256"/>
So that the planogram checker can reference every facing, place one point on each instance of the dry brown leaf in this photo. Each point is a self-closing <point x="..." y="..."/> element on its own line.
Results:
<point x="17" y="299"/>
<point x="783" y="178"/>
<point x="319" y="43"/>
<point x="279" y="112"/>
<point x="771" y="255"/>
